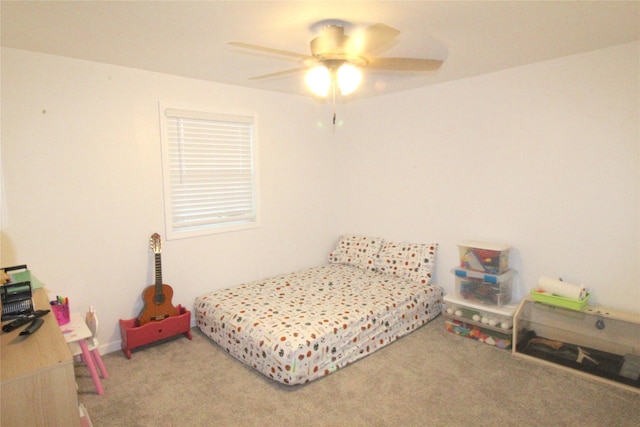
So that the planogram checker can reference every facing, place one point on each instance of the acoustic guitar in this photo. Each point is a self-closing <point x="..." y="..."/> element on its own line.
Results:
<point x="157" y="298"/>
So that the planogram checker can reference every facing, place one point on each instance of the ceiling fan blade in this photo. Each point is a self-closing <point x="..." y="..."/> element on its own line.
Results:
<point x="404" y="64"/>
<point x="278" y="74"/>
<point x="369" y="39"/>
<point x="270" y="50"/>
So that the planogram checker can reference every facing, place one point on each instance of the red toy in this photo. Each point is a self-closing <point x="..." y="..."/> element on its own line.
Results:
<point x="136" y="336"/>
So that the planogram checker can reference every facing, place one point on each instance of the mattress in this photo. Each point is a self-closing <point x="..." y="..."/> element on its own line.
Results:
<point x="297" y="327"/>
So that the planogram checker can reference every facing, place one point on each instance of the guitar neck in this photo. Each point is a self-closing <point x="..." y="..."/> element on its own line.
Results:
<point x="158" y="274"/>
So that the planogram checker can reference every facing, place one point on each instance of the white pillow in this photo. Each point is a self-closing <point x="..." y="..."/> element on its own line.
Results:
<point x="359" y="251"/>
<point x="413" y="261"/>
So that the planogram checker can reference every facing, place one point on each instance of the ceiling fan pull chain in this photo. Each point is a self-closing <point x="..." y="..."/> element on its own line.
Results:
<point x="334" y="103"/>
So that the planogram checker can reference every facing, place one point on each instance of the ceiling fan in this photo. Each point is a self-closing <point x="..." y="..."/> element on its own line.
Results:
<point x="337" y="59"/>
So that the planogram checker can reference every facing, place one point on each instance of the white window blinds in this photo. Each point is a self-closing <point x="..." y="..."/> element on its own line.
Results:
<point x="209" y="171"/>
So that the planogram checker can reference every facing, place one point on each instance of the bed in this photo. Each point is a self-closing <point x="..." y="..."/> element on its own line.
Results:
<point x="297" y="327"/>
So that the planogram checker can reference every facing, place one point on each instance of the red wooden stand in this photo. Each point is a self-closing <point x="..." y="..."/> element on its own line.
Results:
<point x="136" y="336"/>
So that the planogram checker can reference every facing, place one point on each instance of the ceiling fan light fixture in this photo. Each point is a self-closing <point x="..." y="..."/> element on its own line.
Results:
<point x="349" y="78"/>
<point x="319" y="80"/>
<point x="339" y="58"/>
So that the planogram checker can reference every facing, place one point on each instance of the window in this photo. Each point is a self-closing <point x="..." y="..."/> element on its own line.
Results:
<point x="209" y="172"/>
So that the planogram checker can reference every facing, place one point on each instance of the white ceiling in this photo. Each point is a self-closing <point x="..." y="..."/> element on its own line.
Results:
<point x="190" y="38"/>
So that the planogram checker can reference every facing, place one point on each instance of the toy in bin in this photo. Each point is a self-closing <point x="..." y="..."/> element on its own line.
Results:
<point x="476" y="333"/>
<point x="490" y="258"/>
<point x="484" y="288"/>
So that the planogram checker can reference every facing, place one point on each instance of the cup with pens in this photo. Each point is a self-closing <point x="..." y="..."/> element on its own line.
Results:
<point x="60" y="308"/>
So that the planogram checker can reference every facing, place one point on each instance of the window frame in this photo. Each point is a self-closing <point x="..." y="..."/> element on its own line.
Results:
<point x="222" y="226"/>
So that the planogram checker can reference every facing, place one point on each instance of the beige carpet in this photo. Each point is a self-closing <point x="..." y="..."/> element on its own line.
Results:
<point x="428" y="378"/>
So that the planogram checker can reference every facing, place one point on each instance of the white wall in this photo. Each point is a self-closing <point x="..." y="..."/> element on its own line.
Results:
<point x="83" y="184"/>
<point x="545" y="157"/>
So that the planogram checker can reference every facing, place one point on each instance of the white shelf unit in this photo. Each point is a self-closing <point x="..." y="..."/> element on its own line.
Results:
<point x="488" y="317"/>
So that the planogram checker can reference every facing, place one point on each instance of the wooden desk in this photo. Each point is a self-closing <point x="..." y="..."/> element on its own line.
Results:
<point x="38" y="380"/>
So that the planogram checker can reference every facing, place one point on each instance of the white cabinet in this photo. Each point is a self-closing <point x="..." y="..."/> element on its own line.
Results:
<point x="489" y="324"/>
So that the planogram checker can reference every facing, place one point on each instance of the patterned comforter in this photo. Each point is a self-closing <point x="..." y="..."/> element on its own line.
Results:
<point x="297" y="327"/>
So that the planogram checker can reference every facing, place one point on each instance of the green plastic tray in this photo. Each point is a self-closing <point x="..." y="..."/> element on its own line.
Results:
<point x="569" y="303"/>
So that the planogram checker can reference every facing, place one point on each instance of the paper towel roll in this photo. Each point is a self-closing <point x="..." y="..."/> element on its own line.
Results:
<point x="560" y="288"/>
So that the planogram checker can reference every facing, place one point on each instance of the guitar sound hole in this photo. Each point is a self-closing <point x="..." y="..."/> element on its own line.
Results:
<point x="160" y="299"/>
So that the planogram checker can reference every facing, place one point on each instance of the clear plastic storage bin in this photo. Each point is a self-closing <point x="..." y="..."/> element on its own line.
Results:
<point x="485" y="257"/>
<point x="484" y="288"/>
<point x="490" y="325"/>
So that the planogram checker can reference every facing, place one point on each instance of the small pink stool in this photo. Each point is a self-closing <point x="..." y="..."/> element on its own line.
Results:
<point x="82" y="342"/>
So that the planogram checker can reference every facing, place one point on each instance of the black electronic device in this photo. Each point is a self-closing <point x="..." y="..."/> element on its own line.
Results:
<point x="17" y="298"/>
<point x="33" y="327"/>
<point x="16" y="323"/>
